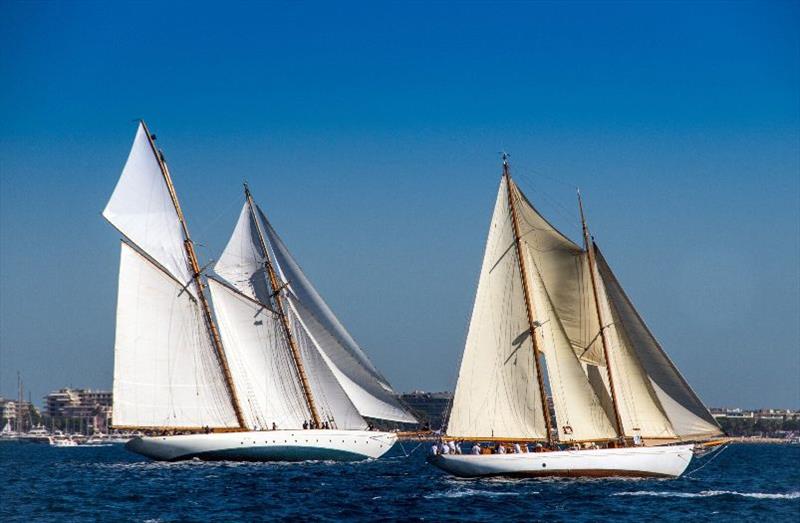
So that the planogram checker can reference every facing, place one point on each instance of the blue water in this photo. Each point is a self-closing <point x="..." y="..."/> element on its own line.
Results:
<point x="37" y="483"/>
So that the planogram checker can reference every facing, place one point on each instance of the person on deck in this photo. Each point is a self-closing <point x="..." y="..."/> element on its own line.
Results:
<point x="501" y="449"/>
<point x="434" y="449"/>
<point x="274" y="426"/>
<point x="305" y="425"/>
<point x="476" y="449"/>
<point x="517" y="449"/>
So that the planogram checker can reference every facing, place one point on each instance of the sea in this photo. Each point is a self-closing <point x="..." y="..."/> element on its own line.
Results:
<point x="743" y="482"/>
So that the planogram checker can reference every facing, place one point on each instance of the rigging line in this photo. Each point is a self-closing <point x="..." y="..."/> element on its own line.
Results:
<point x="226" y="210"/>
<point x="711" y="458"/>
<point x="551" y="201"/>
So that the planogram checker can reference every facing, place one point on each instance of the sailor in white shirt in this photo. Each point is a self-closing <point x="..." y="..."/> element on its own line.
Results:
<point x="517" y="449"/>
<point x="453" y="448"/>
<point x="434" y="449"/>
<point x="501" y="449"/>
<point x="476" y="449"/>
<point x="445" y="448"/>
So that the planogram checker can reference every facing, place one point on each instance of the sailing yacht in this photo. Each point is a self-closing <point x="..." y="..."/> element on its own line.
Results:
<point x="261" y="371"/>
<point x="551" y="323"/>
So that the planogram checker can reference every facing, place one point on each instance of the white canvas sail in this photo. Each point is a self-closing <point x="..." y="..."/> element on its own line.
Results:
<point x="580" y="415"/>
<point x="260" y="361"/>
<point x="687" y="414"/>
<point x="497" y="394"/>
<point x="142" y="209"/>
<point x="242" y="262"/>
<point x="364" y="385"/>
<point x="165" y="370"/>
<point x="332" y="402"/>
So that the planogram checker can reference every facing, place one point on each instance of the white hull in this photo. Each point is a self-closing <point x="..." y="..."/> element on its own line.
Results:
<point x="273" y="445"/>
<point x="665" y="462"/>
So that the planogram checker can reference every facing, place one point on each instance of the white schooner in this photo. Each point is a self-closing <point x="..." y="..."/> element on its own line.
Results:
<point x="551" y="324"/>
<point x="263" y="371"/>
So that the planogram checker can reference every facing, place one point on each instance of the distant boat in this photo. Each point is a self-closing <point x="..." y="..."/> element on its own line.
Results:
<point x="271" y="355"/>
<point x="37" y="434"/>
<point x="550" y="312"/>
<point x="8" y="434"/>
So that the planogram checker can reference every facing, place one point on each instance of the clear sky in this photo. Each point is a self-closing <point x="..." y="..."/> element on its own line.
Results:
<point x="370" y="135"/>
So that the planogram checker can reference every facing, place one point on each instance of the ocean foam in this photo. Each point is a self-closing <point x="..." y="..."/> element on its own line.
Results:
<point x="460" y="493"/>
<point x="710" y="493"/>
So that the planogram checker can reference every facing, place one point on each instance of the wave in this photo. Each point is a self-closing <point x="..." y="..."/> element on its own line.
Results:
<point x="460" y="493"/>
<point x="711" y="493"/>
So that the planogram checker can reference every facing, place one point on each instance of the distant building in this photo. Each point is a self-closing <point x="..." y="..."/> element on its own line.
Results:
<point x="429" y="407"/>
<point x="92" y="407"/>
<point x="17" y="412"/>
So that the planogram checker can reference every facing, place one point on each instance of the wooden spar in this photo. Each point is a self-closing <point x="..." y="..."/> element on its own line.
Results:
<point x="279" y="309"/>
<point x="589" y="246"/>
<point x="189" y="246"/>
<point x="531" y="312"/>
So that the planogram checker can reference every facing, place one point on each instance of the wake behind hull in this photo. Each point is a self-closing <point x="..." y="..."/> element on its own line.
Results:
<point x="659" y="462"/>
<point x="274" y="445"/>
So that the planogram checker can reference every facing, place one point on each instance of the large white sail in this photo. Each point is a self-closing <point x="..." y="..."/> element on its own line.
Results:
<point x="166" y="374"/>
<point x="142" y="209"/>
<point x="497" y="394"/>
<point x="370" y="393"/>
<point x="332" y="401"/>
<point x="260" y="361"/>
<point x="688" y="416"/>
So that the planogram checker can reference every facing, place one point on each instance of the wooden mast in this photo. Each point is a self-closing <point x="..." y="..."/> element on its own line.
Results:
<point x="189" y="246"/>
<point x="588" y="244"/>
<point x="529" y="309"/>
<point x="279" y="309"/>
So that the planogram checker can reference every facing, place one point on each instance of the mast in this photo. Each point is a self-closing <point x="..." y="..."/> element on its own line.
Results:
<point x="528" y="303"/>
<point x="189" y="246"/>
<point x="276" y="294"/>
<point x="589" y="246"/>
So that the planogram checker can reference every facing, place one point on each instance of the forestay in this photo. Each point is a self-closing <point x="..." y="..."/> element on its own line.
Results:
<point x="366" y="388"/>
<point x="166" y="374"/>
<point x="142" y="209"/>
<point x="260" y="361"/>
<point x="497" y="394"/>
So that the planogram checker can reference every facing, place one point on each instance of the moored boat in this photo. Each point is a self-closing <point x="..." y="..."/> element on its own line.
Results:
<point x="552" y="325"/>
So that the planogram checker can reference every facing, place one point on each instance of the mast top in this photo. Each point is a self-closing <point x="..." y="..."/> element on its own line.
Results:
<point x="505" y="157"/>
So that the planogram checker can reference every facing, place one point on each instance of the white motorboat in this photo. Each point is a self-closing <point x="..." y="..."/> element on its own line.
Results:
<point x="272" y="445"/>
<point x="222" y="372"/>
<point x="557" y="354"/>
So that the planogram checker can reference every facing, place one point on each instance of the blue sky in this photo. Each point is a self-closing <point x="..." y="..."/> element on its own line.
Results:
<point x="370" y="133"/>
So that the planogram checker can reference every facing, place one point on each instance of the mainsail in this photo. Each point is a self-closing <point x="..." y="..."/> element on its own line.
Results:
<point x="342" y="380"/>
<point x="496" y="397"/>
<point x="170" y="370"/>
<point x="496" y="394"/>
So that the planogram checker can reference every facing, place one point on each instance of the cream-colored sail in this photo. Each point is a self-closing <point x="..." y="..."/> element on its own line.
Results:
<point x="687" y="415"/>
<point x="165" y="371"/>
<point x="242" y="262"/>
<point x="580" y="415"/>
<point x="142" y="209"/>
<point x="260" y="361"/>
<point x="564" y="268"/>
<point x="497" y="394"/>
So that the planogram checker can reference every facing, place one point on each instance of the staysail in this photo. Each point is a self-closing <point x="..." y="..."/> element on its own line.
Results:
<point x="368" y="390"/>
<point x="688" y="417"/>
<point x="496" y="395"/>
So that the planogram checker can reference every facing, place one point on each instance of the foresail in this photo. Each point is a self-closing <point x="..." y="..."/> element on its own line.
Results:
<point x="365" y="386"/>
<point x="142" y="209"/>
<point x="687" y="414"/>
<point x="497" y="394"/>
<point x="260" y="361"/>
<point x="332" y="402"/>
<point x="579" y="412"/>
<point x="242" y="262"/>
<point x="564" y="269"/>
<point x="166" y="374"/>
